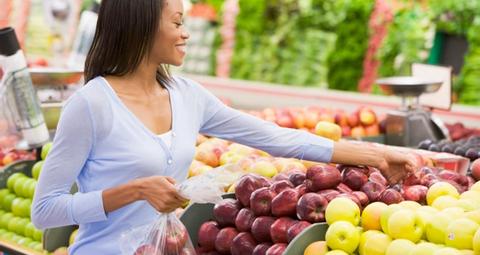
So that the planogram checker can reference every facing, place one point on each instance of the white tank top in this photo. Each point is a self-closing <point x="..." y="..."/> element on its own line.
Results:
<point x="167" y="138"/>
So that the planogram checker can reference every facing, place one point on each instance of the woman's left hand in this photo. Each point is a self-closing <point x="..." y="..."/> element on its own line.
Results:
<point x="396" y="166"/>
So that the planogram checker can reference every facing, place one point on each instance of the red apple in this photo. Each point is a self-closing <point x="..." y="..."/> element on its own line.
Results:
<point x="429" y="179"/>
<point x="226" y="211"/>
<point x="373" y="190"/>
<point x="329" y="194"/>
<point x="476" y="169"/>
<point x="311" y="207"/>
<point x="351" y="197"/>
<point x="470" y="181"/>
<point x="277" y="249"/>
<point x="224" y="240"/>
<point x="346" y="131"/>
<point x="372" y="130"/>
<point x="285" y="203"/>
<point x="207" y="234"/>
<point x="280" y="177"/>
<point x="244" y="220"/>
<point x="246" y="185"/>
<point x="424" y="171"/>
<point x="296" y="229"/>
<point x="243" y="243"/>
<point x="261" y="201"/>
<point x="322" y="177"/>
<point x="411" y="180"/>
<point x="176" y="237"/>
<point x="416" y="193"/>
<point x="278" y="230"/>
<point x="261" y="228"/>
<point x="362" y="197"/>
<point x="145" y="249"/>
<point x="343" y="188"/>
<point x="353" y="120"/>
<point x="261" y="249"/>
<point x="354" y="179"/>
<point x="391" y="196"/>
<point x="297" y="178"/>
<point x="302" y="189"/>
<point x="378" y="177"/>
<point x="341" y="118"/>
<point x="280" y="186"/>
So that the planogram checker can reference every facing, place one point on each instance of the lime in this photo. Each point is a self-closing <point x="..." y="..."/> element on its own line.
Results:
<point x="36" y="169"/>
<point x="46" y="149"/>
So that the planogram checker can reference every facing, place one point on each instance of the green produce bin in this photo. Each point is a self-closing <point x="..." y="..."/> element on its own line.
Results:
<point x="196" y="214"/>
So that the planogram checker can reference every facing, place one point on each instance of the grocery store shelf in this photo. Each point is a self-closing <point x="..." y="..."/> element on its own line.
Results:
<point x="258" y="95"/>
<point x="15" y="249"/>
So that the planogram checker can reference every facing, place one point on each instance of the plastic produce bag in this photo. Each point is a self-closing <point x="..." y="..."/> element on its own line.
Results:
<point x="167" y="235"/>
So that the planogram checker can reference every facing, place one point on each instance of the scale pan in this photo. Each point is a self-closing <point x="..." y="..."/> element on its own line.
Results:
<point x="408" y="85"/>
<point x="55" y="75"/>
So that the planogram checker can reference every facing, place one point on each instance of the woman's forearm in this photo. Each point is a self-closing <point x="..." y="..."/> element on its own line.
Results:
<point x="355" y="154"/>
<point x="120" y="196"/>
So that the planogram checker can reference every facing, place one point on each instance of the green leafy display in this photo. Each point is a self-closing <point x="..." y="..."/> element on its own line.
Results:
<point x="454" y="16"/>
<point x="470" y="75"/>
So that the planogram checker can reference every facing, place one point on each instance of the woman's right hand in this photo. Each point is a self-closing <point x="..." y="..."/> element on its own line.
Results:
<point x="160" y="192"/>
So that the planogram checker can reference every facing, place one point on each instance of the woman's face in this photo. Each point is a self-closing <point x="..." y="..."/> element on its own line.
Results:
<point x="170" y="42"/>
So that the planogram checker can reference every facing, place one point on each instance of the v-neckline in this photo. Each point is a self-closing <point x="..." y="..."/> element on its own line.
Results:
<point x="135" y="118"/>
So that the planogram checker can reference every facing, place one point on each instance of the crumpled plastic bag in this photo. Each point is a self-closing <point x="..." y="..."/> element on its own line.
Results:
<point x="167" y="235"/>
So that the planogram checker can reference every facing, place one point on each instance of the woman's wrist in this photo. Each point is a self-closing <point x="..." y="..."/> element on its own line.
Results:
<point x="138" y="188"/>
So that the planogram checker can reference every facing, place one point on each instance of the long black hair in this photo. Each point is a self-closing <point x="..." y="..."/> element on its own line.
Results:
<point x="124" y="35"/>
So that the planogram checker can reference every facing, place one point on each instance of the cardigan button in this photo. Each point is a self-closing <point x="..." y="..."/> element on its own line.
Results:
<point x="169" y="161"/>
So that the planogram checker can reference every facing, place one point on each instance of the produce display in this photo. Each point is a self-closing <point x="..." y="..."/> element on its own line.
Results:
<point x="12" y="156"/>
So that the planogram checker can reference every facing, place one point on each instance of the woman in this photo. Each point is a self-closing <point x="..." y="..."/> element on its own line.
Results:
<point x="129" y="134"/>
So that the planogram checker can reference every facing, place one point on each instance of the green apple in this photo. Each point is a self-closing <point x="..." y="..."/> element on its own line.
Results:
<point x="25" y="207"/>
<point x="437" y="227"/>
<point x="476" y="242"/>
<point x="24" y="241"/>
<point x="412" y="205"/>
<point x="12" y="179"/>
<point x="400" y="247"/>
<point x="36" y="169"/>
<point x="443" y="202"/>
<point x="336" y="252"/>
<point x="29" y="230"/>
<point x="18" y="186"/>
<point x="45" y="150"/>
<point x="447" y="251"/>
<point x="7" y="202"/>
<point x="8" y="235"/>
<point x="342" y="209"/>
<point x="405" y="224"/>
<point x="459" y="233"/>
<point x="3" y="193"/>
<point x="16" y="238"/>
<point x="33" y="244"/>
<point x="37" y="235"/>
<point x="17" y="207"/>
<point x="376" y="244"/>
<point x="5" y="219"/>
<point x="371" y="215"/>
<point x="441" y="189"/>
<point x="31" y="189"/>
<point x="26" y="187"/>
<point x="13" y="224"/>
<point x="363" y="238"/>
<point x="342" y="235"/>
<point x="424" y="248"/>
<point x="471" y="194"/>
<point x="386" y="215"/>
<point x="38" y="247"/>
<point x="21" y="224"/>
<point x="264" y="168"/>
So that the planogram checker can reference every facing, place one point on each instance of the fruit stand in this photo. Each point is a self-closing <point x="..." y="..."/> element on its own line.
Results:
<point x="301" y="65"/>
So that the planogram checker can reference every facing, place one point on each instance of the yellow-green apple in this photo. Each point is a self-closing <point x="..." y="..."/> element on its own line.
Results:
<point x="405" y="224"/>
<point x="467" y="252"/>
<point x="328" y="130"/>
<point x="400" y="247"/>
<point x="243" y="243"/>
<point x="473" y="215"/>
<point x="279" y="228"/>
<point x="471" y="194"/>
<point x="367" y="116"/>
<point x="225" y="211"/>
<point x="296" y="229"/>
<point x="437" y="226"/>
<point x="342" y="209"/>
<point x="443" y="202"/>
<point x="441" y="189"/>
<point x="224" y="239"/>
<point x="476" y="186"/>
<point x="277" y="249"/>
<point x="45" y="150"/>
<point x="207" y="234"/>
<point x="336" y="252"/>
<point x="244" y="220"/>
<point x="264" y="168"/>
<point x="261" y="249"/>
<point x="240" y="149"/>
<point x="311" y="207"/>
<point x="459" y="233"/>
<point x="363" y="238"/>
<point x="230" y="157"/>
<point x="371" y="216"/>
<point x="261" y="228"/>
<point x="386" y="213"/>
<point x="246" y="185"/>
<point x="468" y="204"/>
<point x="447" y="251"/>
<point x="316" y="248"/>
<point x="285" y="203"/>
<point x="411" y="205"/>
<point x="376" y="244"/>
<point x="425" y="214"/>
<point x="320" y="177"/>
<point x="476" y="242"/>
<point x="72" y="237"/>
<point x="261" y="201"/>
<point x="424" y="248"/>
<point x="342" y="235"/>
<point x="326" y="117"/>
<point x="454" y="212"/>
